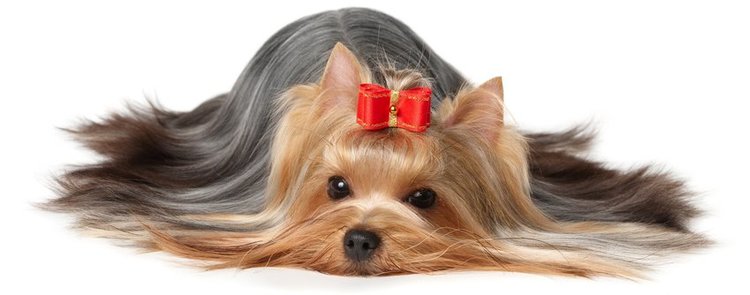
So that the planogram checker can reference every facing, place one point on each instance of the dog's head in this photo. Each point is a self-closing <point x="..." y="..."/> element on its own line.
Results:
<point x="370" y="202"/>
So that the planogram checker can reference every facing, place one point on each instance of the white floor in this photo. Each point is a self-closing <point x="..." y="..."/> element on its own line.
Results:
<point x="666" y="83"/>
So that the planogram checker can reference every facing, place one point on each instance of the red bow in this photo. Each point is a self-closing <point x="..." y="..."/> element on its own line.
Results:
<point x="379" y="107"/>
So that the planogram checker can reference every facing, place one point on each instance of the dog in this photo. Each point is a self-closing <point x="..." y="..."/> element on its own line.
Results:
<point x="347" y="146"/>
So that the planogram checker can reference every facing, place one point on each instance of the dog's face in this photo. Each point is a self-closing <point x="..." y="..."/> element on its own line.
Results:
<point x="394" y="201"/>
<point x="383" y="202"/>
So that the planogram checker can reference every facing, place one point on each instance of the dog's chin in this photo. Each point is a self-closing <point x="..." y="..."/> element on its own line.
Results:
<point x="365" y="268"/>
<point x="381" y="264"/>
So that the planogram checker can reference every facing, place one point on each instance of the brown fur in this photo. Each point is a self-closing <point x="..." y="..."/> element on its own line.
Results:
<point x="496" y="192"/>
<point x="594" y="192"/>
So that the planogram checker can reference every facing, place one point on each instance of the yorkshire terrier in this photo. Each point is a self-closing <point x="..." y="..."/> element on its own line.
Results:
<point x="347" y="146"/>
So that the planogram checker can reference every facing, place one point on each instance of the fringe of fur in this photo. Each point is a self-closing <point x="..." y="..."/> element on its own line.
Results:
<point x="194" y="184"/>
<point x="122" y="198"/>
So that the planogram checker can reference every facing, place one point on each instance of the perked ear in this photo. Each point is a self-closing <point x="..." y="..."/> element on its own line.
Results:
<point x="478" y="111"/>
<point x="342" y="74"/>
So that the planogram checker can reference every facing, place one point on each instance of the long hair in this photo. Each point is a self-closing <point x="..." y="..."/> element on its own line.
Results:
<point x="192" y="171"/>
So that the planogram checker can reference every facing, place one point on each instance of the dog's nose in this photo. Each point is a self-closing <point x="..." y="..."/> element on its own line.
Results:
<point x="360" y="244"/>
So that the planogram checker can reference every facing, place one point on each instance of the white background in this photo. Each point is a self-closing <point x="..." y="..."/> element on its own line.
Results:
<point x="665" y="82"/>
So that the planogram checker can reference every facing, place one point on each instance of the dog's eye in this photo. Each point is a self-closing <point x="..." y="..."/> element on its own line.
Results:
<point x="422" y="198"/>
<point x="337" y="187"/>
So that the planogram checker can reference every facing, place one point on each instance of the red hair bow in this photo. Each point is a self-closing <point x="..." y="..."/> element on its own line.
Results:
<point x="379" y="107"/>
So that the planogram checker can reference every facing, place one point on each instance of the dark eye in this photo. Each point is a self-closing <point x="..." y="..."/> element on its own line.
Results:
<point x="422" y="198"/>
<point x="337" y="187"/>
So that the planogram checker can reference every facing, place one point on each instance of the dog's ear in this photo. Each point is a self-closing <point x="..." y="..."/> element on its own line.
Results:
<point x="478" y="111"/>
<point x="342" y="76"/>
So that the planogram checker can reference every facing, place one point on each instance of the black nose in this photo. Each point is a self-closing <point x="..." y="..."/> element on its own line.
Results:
<point x="360" y="244"/>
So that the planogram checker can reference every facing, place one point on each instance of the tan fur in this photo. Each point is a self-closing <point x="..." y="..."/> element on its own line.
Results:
<point x="484" y="218"/>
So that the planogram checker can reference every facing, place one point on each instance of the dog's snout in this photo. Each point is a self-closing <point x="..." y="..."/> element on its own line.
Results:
<point x="360" y="244"/>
